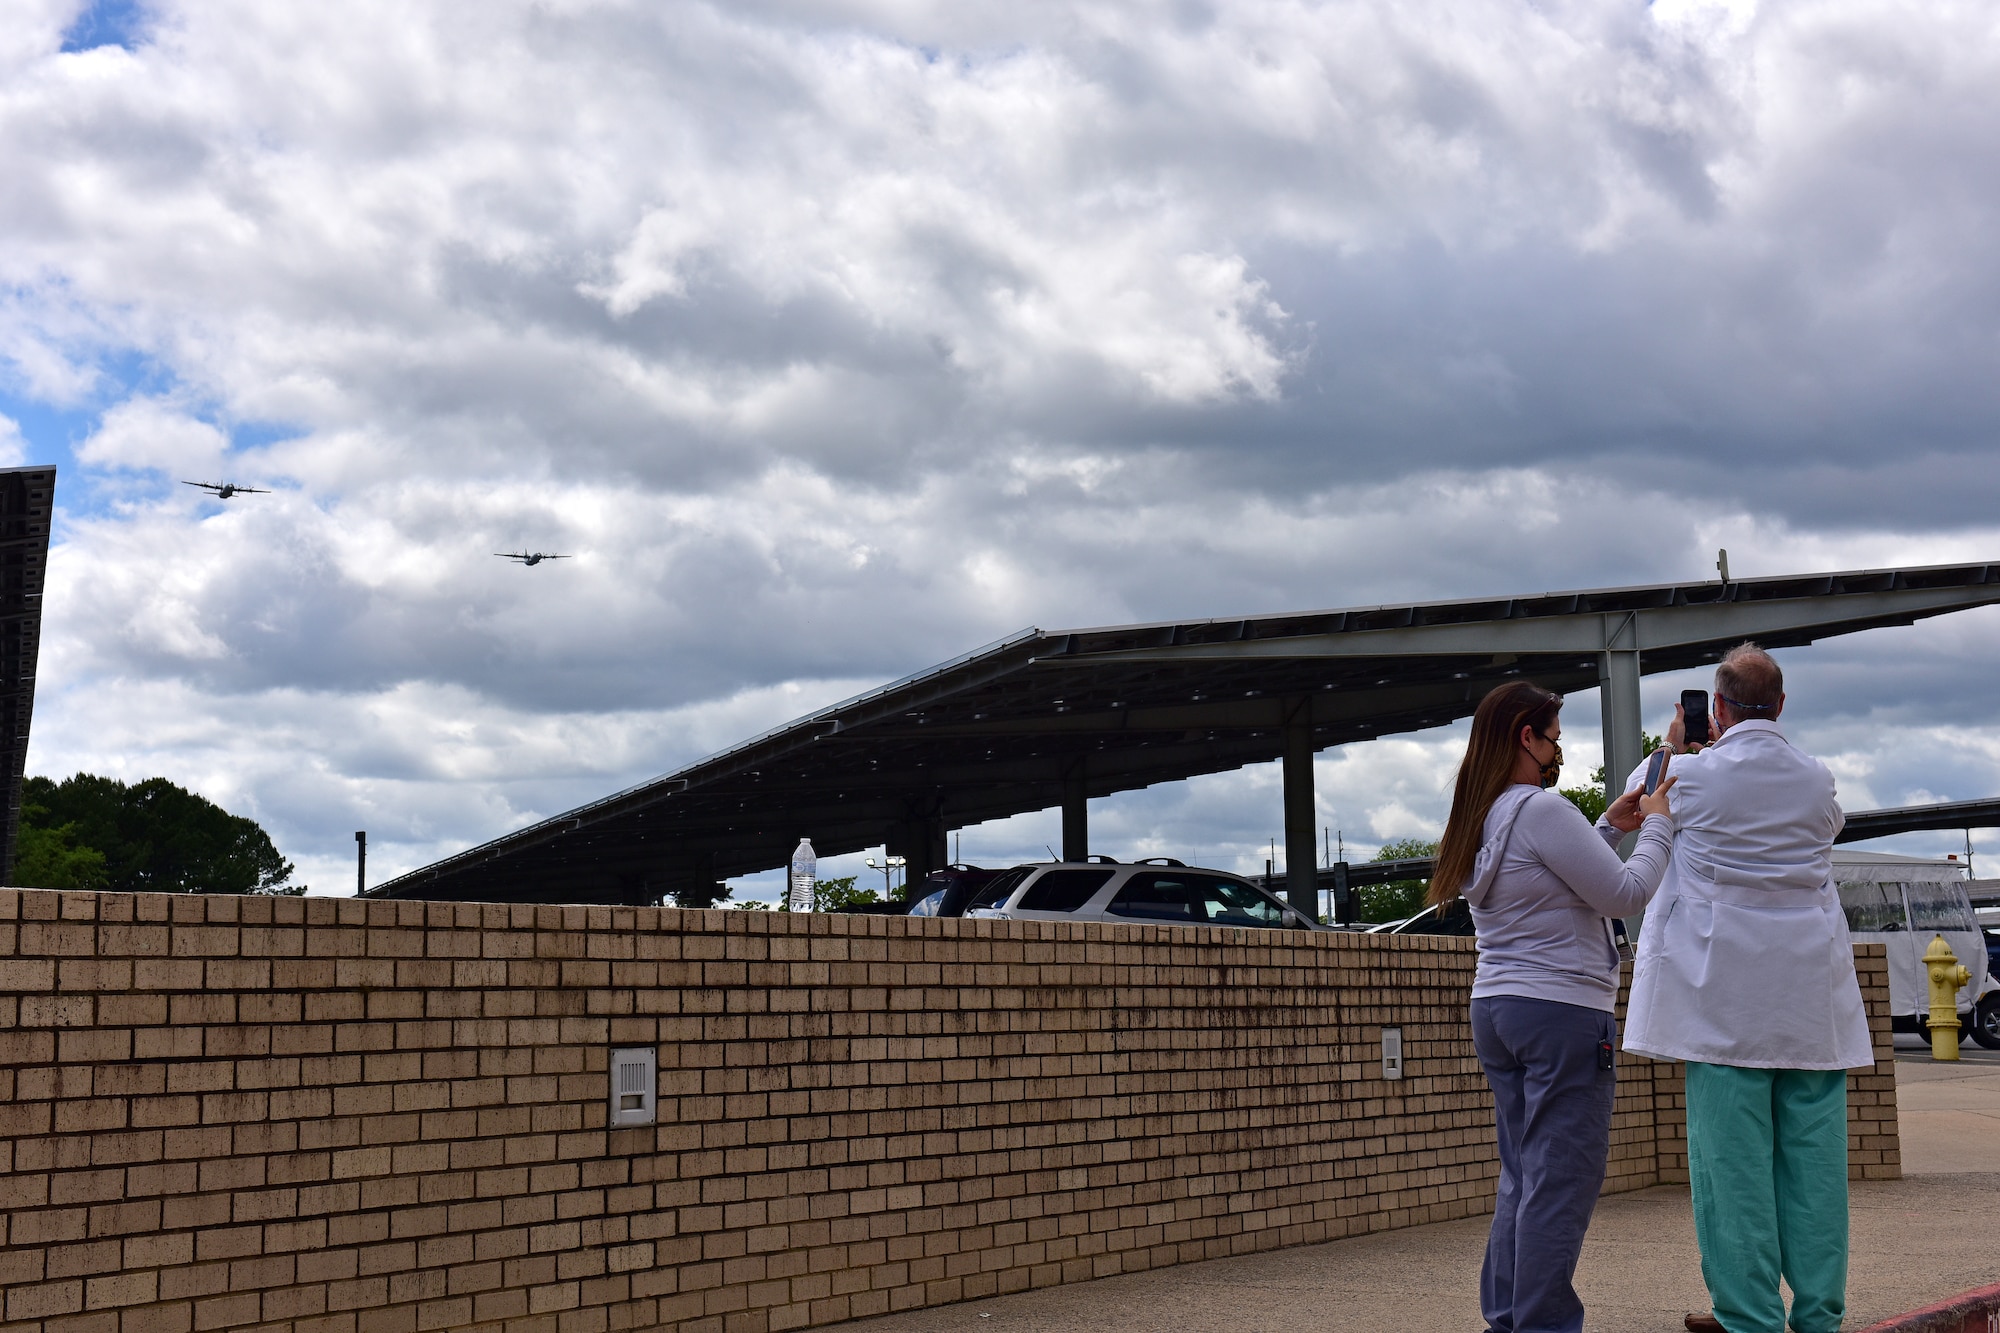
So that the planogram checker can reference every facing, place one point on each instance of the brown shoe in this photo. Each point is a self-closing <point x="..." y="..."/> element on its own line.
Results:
<point x="1704" y="1323"/>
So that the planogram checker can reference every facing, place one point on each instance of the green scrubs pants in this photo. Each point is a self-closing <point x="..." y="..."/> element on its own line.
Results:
<point x="1767" y="1158"/>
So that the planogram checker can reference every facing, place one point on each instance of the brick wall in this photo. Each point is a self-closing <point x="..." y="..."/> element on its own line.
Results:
<point x="1874" y="1146"/>
<point x="341" y="1116"/>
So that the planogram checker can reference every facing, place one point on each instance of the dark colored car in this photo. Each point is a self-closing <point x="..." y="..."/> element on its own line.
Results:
<point x="950" y="891"/>
<point x="956" y="883"/>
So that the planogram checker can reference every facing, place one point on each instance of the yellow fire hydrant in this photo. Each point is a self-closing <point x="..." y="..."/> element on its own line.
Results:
<point x="1947" y="975"/>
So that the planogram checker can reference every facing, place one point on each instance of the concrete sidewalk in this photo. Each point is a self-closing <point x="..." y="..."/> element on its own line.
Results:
<point x="1915" y="1240"/>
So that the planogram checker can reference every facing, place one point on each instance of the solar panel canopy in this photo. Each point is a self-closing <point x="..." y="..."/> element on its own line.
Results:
<point x="1045" y="718"/>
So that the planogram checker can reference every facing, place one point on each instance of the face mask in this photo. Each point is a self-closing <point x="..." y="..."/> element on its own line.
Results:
<point x="1553" y="769"/>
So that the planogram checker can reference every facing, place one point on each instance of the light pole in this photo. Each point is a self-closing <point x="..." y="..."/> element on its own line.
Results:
<point x="361" y="861"/>
<point x="889" y="866"/>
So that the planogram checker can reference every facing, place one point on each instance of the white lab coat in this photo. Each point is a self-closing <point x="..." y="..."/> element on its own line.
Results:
<point x="1744" y="957"/>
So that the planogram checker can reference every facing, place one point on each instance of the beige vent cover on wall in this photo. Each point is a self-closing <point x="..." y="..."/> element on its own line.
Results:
<point x="634" y="1083"/>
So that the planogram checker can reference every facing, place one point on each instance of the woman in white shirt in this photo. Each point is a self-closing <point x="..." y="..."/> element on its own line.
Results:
<point x="1543" y="886"/>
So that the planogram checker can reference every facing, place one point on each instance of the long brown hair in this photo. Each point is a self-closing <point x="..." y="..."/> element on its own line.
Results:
<point x="1484" y="773"/>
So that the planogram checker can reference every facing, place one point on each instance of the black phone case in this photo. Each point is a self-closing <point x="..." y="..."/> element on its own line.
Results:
<point x="1694" y="712"/>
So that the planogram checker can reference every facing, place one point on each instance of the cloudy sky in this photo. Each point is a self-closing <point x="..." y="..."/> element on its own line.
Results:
<point x="833" y="339"/>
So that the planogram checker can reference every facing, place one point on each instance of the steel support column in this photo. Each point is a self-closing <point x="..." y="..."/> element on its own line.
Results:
<point x="929" y="850"/>
<point x="1301" y="825"/>
<point x="1618" y="686"/>
<point x="923" y="841"/>
<point x="1618" y="697"/>
<point x="1075" y="814"/>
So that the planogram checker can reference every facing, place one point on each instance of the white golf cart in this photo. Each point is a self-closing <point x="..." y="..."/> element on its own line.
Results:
<point x="1905" y="901"/>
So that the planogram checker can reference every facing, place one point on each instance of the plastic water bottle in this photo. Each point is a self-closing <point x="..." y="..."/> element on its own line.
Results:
<point x="805" y="866"/>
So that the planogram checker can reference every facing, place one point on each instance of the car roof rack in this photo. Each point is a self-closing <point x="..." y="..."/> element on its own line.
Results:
<point x="1160" y="861"/>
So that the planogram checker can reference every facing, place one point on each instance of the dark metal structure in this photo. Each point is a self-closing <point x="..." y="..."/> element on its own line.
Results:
<point x="27" y="504"/>
<point x="1047" y="718"/>
<point x="1865" y="824"/>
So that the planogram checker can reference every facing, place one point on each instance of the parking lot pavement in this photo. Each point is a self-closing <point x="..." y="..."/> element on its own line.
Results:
<point x="1948" y="1111"/>
<point x="1914" y="1241"/>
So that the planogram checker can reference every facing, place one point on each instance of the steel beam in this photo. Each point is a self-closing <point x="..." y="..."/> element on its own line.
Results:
<point x="1075" y="813"/>
<point x="920" y="840"/>
<point x="1657" y="628"/>
<point x="1618" y="668"/>
<point x="1865" y="824"/>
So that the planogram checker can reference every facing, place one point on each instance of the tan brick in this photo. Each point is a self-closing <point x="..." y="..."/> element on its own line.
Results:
<point x="44" y="1300"/>
<point x="172" y="1317"/>
<point x="236" y="1310"/>
<point x="120" y="1289"/>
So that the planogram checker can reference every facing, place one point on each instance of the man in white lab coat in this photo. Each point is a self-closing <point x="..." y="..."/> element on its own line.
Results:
<point x="1745" y="972"/>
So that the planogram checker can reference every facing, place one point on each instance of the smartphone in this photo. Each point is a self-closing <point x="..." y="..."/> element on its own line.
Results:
<point x="1694" y="712"/>
<point x="1656" y="768"/>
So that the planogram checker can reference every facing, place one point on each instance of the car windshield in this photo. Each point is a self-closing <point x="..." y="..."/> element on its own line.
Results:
<point x="999" y="887"/>
<point x="1062" y="890"/>
<point x="1876" y="908"/>
<point x="1939" y="905"/>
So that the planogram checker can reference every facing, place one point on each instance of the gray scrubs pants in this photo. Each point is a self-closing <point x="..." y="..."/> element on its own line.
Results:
<point x="1553" y="1086"/>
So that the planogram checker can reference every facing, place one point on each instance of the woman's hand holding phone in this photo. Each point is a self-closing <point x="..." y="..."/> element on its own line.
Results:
<point x="1653" y="791"/>
<point x="1648" y="798"/>
<point x="1654" y="802"/>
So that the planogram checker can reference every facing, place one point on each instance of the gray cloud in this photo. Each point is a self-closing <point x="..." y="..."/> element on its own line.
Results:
<point x="833" y="339"/>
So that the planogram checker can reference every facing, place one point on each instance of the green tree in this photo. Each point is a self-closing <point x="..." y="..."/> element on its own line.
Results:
<point x="156" y="837"/>
<point x="830" y="895"/>
<point x="1590" y="800"/>
<point x="1399" y="898"/>
<point x="50" y="857"/>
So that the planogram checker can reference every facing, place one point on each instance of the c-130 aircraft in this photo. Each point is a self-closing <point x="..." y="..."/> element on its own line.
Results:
<point x="224" y="489"/>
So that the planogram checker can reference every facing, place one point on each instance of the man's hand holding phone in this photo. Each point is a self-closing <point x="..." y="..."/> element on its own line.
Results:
<point x="1690" y="730"/>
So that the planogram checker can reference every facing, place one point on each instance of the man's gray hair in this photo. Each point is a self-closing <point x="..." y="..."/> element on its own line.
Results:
<point x="1749" y="679"/>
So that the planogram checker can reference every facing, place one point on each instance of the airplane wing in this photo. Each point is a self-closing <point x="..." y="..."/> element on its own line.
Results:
<point x="511" y="555"/>
<point x="251" y="490"/>
<point x="204" y="485"/>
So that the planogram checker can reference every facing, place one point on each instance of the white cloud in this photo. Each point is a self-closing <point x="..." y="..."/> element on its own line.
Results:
<point x="154" y="433"/>
<point x="13" y="449"/>
<point x="832" y="339"/>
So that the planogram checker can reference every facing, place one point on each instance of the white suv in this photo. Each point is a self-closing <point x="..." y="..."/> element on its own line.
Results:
<point x="1160" y="890"/>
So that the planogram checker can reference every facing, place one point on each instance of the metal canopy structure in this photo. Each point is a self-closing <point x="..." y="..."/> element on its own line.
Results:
<point x="27" y="504"/>
<point x="1865" y="824"/>
<point x="1047" y="718"/>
